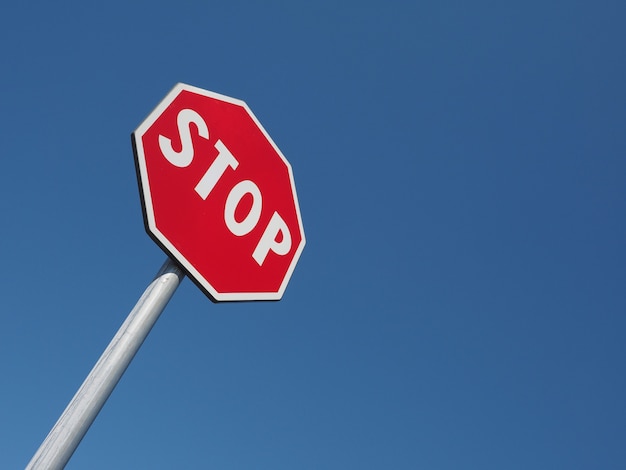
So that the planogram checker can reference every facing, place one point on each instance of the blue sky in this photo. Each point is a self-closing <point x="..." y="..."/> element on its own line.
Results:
<point x="460" y="169"/>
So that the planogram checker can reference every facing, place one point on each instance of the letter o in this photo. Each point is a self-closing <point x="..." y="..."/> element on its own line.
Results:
<point x="232" y="201"/>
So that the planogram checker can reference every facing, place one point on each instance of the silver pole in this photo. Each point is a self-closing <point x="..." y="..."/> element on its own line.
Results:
<point x="63" y="439"/>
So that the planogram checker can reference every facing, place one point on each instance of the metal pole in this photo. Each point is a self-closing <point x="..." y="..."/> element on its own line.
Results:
<point x="63" y="439"/>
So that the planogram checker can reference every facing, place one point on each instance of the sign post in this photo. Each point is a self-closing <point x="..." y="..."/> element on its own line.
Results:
<point x="69" y="430"/>
<point x="219" y="198"/>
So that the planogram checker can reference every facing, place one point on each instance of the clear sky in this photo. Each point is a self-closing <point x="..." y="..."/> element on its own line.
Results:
<point x="461" y="301"/>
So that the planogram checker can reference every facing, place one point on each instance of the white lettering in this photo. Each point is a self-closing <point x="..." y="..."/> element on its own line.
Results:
<point x="224" y="160"/>
<point x="234" y="197"/>
<point x="276" y="237"/>
<point x="269" y="240"/>
<point x="185" y="156"/>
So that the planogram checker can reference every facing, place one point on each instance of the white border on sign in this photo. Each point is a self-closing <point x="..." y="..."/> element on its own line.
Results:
<point x="148" y="209"/>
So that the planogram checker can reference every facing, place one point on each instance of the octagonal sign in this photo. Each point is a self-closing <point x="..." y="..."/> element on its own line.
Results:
<point x="218" y="195"/>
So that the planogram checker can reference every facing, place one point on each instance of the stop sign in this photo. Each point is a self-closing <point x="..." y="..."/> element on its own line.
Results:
<point x="218" y="195"/>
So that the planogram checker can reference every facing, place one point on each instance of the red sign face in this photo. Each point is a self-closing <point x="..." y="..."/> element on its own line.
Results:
<point x="218" y="195"/>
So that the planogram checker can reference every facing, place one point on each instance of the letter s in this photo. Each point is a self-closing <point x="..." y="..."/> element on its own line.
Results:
<point x="185" y="156"/>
